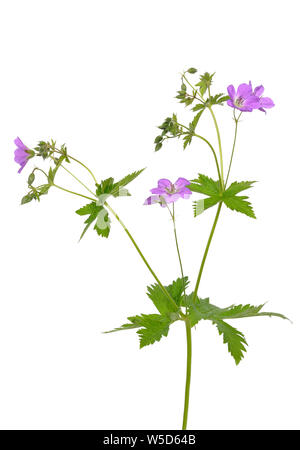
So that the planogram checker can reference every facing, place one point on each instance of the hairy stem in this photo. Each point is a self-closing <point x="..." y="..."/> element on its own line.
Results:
<point x="74" y="176"/>
<point x="206" y="252"/>
<point x="142" y="256"/>
<point x="72" y="192"/>
<point x="233" y="147"/>
<point x="210" y="146"/>
<point x="172" y="214"/>
<point x="220" y="145"/>
<point x="79" y="162"/>
<point x="188" y="372"/>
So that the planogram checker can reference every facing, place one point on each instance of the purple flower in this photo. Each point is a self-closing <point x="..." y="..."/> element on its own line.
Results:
<point x="167" y="192"/>
<point x="264" y="102"/>
<point x="244" y="99"/>
<point x="22" y="154"/>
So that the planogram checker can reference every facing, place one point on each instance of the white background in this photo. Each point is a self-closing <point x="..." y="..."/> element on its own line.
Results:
<point x="100" y="76"/>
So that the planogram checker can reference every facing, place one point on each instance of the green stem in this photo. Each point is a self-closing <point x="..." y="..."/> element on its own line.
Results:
<point x="188" y="372"/>
<point x="177" y="247"/>
<point x="210" y="146"/>
<point x="220" y="145"/>
<point x="72" y="192"/>
<point x="194" y="89"/>
<point x="206" y="252"/>
<point x="233" y="147"/>
<point x="77" y="179"/>
<point x="83" y="165"/>
<point x="79" y="162"/>
<point x="215" y="156"/>
<point x="143" y="257"/>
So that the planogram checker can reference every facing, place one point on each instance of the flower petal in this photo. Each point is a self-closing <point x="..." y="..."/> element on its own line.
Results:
<point x="181" y="182"/>
<point x="158" y="190"/>
<point x="20" y="144"/>
<point x="185" y="193"/>
<point x="244" y="90"/>
<point x="259" y="90"/>
<point x="171" y="198"/>
<point x="252" y="102"/>
<point x="164" y="183"/>
<point x="21" y="156"/>
<point x="152" y="200"/>
<point x="231" y="91"/>
<point x="230" y="103"/>
<point x="266" y="102"/>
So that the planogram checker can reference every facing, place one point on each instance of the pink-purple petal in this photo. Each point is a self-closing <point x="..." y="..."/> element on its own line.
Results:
<point x="252" y="102"/>
<point x="231" y="92"/>
<point x="158" y="190"/>
<point x="266" y="102"/>
<point x="164" y="183"/>
<point x="244" y="90"/>
<point x="20" y="144"/>
<point x="152" y="200"/>
<point x="259" y="90"/>
<point x="181" y="182"/>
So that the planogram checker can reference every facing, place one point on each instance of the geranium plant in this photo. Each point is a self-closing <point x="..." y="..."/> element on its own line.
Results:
<point x="173" y="301"/>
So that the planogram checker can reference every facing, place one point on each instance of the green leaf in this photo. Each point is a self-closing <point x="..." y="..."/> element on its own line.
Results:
<point x="242" y="311"/>
<point x="198" y="107"/>
<point x="205" y="82"/>
<point x="239" y="204"/>
<point x="160" y="299"/>
<point x="187" y="139"/>
<point x="236" y="202"/>
<point x="202" y="205"/>
<point x="43" y="189"/>
<point x="177" y="288"/>
<point x="201" y="310"/>
<point x="218" y="99"/>
<point x="102" y="225"/>
<point x="136" y="322"/>
<point x="96" y="213"/>
<point x="205" y="185"/>
<point x="87" y="209"/>
<point x="105" y="187"/>
<point x="234" y="339"/>
<point x="237" y="187"/>
<point x="109" y="187"/>
<point x="152" y="327"/>
<point x="118" y="187"/>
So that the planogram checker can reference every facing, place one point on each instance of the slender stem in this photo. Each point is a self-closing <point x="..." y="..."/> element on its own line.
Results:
<point x="72" y="192"/>
<point x="188" y="372"/>
<point x="79" y="181"/>
<point x="220" y="145"/>
<point x="210" y="146"/>
<point x="194" y="89"/>
<point x="215" y="156"/>
<point x="143" y="257"/>
<point x="74" y="176"/>
<point x="83" y="165"/>
<point x="233" y="147"/>
<point x="79" y="162"/>
<point x="206" y="252"/>
<point x="177" y="247"/>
